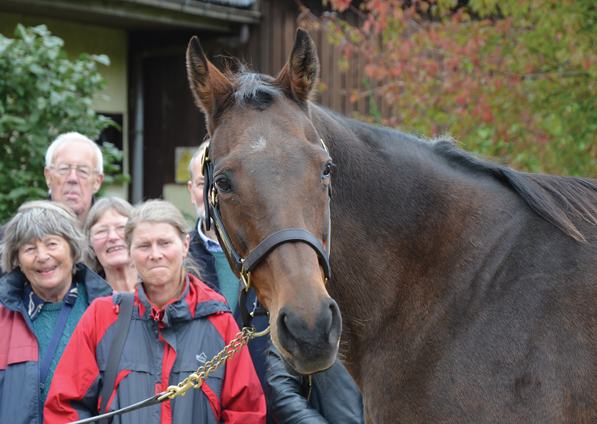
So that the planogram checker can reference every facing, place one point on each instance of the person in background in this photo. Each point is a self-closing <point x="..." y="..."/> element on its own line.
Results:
<point x="110" y="258"/>
<point x="178" y="323"/>
<point x="74" y="172"/>
<point x="205" y="248"/>
<point x="42" y="297"/>
<point x="215" y="269"/>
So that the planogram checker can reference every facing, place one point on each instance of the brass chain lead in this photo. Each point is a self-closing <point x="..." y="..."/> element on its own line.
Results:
<point x="196" y="379"/>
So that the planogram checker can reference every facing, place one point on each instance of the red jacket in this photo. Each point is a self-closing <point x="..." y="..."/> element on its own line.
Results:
<point x="162" y="348"/>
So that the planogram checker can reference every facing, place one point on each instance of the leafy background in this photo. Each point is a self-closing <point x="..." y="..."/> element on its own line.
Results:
<point x="510" y="78"/>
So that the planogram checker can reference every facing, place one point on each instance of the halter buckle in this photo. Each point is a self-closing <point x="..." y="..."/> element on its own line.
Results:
<point x="247" y="279"/>
<point x="204" y="160"/>
<point x="324" y="146"/>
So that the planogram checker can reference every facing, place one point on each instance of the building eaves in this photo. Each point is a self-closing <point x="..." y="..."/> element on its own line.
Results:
<point x="140" y="14"/>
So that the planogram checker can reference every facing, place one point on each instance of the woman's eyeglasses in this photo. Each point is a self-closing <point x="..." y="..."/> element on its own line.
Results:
<point x="103" y="232"/>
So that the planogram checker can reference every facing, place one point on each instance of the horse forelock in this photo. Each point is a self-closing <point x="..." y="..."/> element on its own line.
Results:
<point x="254" y="89"/>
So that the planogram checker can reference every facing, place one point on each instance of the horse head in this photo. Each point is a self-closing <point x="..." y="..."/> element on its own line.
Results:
<point x="271" y="172"/>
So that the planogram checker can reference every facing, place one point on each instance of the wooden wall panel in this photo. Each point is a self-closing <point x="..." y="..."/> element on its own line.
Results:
<point x="290" y="26"/>
<point x="325" y="61"/>
<point x="271" y="44"/>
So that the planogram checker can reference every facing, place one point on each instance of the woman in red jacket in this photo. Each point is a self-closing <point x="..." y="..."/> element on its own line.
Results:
<point x="178" y="324"/>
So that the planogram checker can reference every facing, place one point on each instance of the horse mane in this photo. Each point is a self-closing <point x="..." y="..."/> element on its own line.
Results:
<point x="555" y="198"/>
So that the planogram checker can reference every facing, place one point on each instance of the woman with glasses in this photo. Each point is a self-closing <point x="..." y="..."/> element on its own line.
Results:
<point x="42" y="297"/>
<point x="105" y="229"/>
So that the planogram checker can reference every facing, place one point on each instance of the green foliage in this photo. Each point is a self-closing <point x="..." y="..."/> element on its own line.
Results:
<point x="509" y="78"/>
<point x="112" y="170"/>
<point x="43" y="94"/>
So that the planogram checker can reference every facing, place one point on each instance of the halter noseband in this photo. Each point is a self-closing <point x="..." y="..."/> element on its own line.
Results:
<point x="290" y="235"/>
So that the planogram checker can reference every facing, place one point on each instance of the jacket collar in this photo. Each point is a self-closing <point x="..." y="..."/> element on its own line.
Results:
<point x="196" y="301"/>
<point x="13" y="283"/>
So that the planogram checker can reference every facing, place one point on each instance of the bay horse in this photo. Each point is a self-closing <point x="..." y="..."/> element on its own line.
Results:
<point x="463" y="291"/>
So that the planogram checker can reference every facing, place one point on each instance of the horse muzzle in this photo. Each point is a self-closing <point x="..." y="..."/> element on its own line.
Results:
<point x="310" y="348"/>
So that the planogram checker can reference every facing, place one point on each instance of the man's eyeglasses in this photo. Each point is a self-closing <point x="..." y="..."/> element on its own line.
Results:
<point x="83" y="171"/>
<point x="102" y="233"/>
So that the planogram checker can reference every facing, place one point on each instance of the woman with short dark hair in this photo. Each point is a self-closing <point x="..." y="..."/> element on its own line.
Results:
<point x="42" y="297"/>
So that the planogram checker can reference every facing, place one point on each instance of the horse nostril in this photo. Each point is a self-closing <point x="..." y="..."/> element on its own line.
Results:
<point x="285" y="336"/>
<point x="334" y="316"/>
<point x="334" y="327"/>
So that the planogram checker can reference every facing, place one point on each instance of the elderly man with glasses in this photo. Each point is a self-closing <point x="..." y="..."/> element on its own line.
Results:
<point x="74" y="172"/>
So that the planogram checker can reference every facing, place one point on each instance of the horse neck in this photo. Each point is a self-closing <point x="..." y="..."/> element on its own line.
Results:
<point x="387" y="184"/>
<point x="400" y="218"/>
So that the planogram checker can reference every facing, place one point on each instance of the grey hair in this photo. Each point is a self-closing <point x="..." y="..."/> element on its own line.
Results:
<point x="100" y="207"/>
<point x="74" y="136"/>
<point x="161" y="212"/>
<point x="37" y="219"/>
<point x="199" y="152"/>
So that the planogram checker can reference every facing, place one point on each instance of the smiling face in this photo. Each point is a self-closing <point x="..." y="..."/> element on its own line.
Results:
<point x="48" y="265"/>
<point x="107" y="239"/>
<point x="158" y="252"/>
<point x="74" y="189"/>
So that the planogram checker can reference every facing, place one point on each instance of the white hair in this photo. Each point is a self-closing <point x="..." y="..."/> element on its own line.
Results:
<point x="74" y="136"/>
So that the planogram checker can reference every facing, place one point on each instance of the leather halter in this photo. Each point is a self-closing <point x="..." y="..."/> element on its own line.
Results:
<point x="290" y="235"/>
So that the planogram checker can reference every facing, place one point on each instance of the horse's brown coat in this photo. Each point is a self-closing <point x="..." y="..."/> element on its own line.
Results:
<point x="467" y="290"/>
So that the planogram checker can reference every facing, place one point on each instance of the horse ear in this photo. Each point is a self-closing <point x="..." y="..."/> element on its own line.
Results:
<point x="209" y="86"/>
<point x="299" y="76"/>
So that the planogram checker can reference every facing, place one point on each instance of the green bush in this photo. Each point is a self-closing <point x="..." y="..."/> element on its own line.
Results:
<point x="44" y="94"/>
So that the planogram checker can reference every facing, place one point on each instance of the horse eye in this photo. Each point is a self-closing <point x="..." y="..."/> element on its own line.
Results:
<point x="223" y="185"/>
<point x="327" y="170"/>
